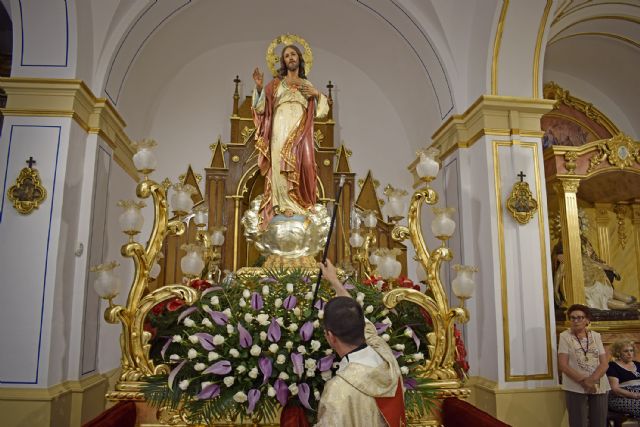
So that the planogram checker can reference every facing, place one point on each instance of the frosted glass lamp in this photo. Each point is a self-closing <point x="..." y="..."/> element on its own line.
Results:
<point x="442" y="226"/>
<point x="192" y="264"/>
<point x="217" y="236"/>
<point x="107" y="285"/>
<point x="131" y="219"/>
<point x="181" y="202"/>
<point x="201" y="216"/>
<point x="356" y="240"/>
<point x="463" y="285"/>
<point x="428" y="165"/>
<point x="370" y="219"/>
<point x="145" y="160"/>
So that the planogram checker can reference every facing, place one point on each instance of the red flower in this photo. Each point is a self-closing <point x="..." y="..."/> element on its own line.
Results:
<point x="148" y="328"/>
<point x="405" y="282"/>
<point x="174" y="304"/>
<point x="158" y="308"/>
<point x="200" y="284"/>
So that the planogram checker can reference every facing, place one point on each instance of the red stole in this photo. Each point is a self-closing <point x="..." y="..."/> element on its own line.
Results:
<point x="297" y="159"/>
<point x="392" y="408"/>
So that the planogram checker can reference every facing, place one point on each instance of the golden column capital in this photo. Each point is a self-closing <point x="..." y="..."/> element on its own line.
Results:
<point x="566" y="189"/>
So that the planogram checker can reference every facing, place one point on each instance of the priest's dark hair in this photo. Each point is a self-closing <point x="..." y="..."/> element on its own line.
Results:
<point x="283" y="66"/>
<point x="344" y="317"/>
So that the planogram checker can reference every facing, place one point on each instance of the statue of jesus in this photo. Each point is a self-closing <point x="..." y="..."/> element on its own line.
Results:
<point x="283" y="113"/>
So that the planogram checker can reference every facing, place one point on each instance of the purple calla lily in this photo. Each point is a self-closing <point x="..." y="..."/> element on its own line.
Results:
<point x="290" y="302"/>
<point x="320" y="304"/>
<point x="245" y="337"/>
<point x="256" y="301"/>
<point x="268" y="280"/>
<point x="381" y="327"/>
<point x="166" y="346"/>
<point x="298" y="363"/>
<point x="174" y="372"/>
<point x="306" y="331"/>
<point x="326" y="363"/>
<point x="396" y="354"/>
<point x="219" y="317"/>
<point x="185" y="313"/>
<point x="206" y="340"/>
<point x="416" y="340"/>
<point x="303" y="394"/>
<point x="211" y="289"/>
<point x="253" y="396"/>
<point x="209" y="392"/>
<point x="222" y="367"/>
<point x="266" y="367"/>
<point x="282" y="391"/>
<point x="410" y="383"/>
<point x="273" y="333"/>
<point x="349" y="286"/>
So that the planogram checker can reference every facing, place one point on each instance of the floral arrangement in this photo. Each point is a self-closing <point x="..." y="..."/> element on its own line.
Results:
<point x="253" y="344"/>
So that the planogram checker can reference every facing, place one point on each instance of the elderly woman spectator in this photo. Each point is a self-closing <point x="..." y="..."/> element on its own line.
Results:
<point x="624" y="378"/>
<point x="583" y="363"/>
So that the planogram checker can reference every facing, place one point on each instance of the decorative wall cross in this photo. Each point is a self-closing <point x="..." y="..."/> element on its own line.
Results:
<point x="27" y="193"/>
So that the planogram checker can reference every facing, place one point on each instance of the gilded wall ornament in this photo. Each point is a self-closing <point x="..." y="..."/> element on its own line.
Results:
<point x="27" y="193"/>
<point x="570" y="164"/>
<point x="619" y="151"/>
<point x="621" y="211"/>
<point x="521" y="203"/>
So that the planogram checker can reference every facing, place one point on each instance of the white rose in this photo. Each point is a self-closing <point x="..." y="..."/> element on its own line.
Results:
<point x="206" y="322"/>
<point x="253" y="373"/>
<point x="248" y="317"/>
<point x="310" y="364"/>
<point x="183" y="384"/>
<point x="205" y="307"/>
<point x="242" y="303"/>
<point x="386" y="321"/>
<point x="293" y="327"/>
<point x="320" y="314"/>
<point x="176" y="338"/>
<point x="273" y="348"/>
<point x="194" y="339"/>
<point x="192" y="353"/>
<point x="316" y="323"/>
<point x="290" y="287"/>
<point x="315" y="345"/>
<point x="408" y="333"/>
<point x="255" y="350"/>
<point x="265" y="290"/>
<point x="189" y="323"/>
<point x="174" y="357"/>
<point x="302" y="350"/>
<point x="289" y="345"/>
<point x="218" y="339"/>
<point x="280" y="321"/>
<point x="230" y="329"/>
<point x="293" y="388"/>
<point x="399" y="347"/>
<point x="228" y="381"/>
<point x="326" y="375"/>
<point x="213" y="356"/>
<point x="316" y="394"/>
<point x="296" y="311"/>
<point x="283" y="376"/>
<point x="199" y="366"/>
<point x="246" y="294"/>
<point x="271" y="392"/>
<point x="233" y="352"/>
<point x="308" y="296"/>
<point x="263" y="319"/>
<point x="215" y="300"/>
<point x="404" y="370"/>
<point x="241" y="369"/>
<point x="311" y="373"/>
<point x="240" y="397"/>
<point x="278" y="302"/>
<point x="281" y="359"/>
<point x="263" y="336"/>
<point x="418" y="356"/>
<point x="328" y="351"/>
<point x="369" y="309"/>
<point x="386" y="337"/>
<point x="360" y="297"/>
<point x="227" y="311"/>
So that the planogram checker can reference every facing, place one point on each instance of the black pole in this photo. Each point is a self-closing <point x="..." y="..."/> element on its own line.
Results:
<point x="326" y="246"/>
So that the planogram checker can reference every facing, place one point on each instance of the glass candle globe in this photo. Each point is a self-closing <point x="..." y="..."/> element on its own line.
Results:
<point x="145" y="160"/>
<point x="107" y="285"/>
<point x="463" y="285"/>
<point x="217" y="236"/>
<point x="428" y="165"/>
<point x="181" y="201"/>
<point x="192" y="264"/>
<point x="201" y="216"/>
<point x="356" y="240"/>
<point x="370" y="219"/>
<point x="442" y="226"/>
<point x="131" y="219"/>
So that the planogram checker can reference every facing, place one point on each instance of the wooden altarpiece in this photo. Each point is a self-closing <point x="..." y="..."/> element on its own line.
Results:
<point x="233" y="179"/>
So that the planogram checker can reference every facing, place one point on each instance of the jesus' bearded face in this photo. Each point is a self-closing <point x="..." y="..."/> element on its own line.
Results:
<point x="291" y="59"/>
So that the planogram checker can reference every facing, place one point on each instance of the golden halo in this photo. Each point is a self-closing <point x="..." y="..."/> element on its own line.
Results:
<point x="273" y="58"/>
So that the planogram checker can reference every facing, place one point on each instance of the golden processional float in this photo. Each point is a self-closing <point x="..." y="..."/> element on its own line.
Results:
<point x="200" y="237"/>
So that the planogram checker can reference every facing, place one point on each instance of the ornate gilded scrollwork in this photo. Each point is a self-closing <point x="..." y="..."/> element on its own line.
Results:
<point x="27" y="193"/>
<point x="619" y="151"/>
<point x="621" y="211"/>
<point x="570" y="164"/>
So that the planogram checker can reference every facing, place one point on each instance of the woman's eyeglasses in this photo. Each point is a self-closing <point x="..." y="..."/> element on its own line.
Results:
<point x="576" y="318"/>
